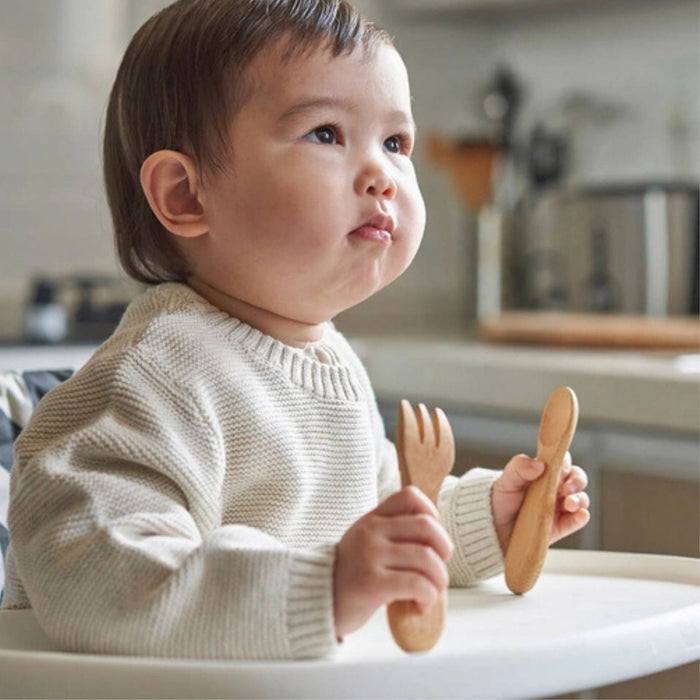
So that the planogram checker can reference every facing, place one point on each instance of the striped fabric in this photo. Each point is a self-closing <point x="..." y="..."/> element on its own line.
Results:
<point x="20" y="392"/>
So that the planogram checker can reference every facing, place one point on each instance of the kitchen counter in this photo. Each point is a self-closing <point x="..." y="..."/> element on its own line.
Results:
<point x="37" y="357"/>
<point x="648" y="390"/>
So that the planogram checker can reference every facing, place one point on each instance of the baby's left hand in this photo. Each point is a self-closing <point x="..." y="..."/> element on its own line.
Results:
<point x="571" y="511"/>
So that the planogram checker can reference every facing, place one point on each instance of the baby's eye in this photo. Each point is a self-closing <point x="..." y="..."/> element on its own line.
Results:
<point x="323" y="134"/>
<point x="398" y="144"/>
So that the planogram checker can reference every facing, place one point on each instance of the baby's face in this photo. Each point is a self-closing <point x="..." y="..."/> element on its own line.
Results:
<point x="320" y="206"/>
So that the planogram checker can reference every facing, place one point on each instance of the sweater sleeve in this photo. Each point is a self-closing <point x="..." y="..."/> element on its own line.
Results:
<point x="388" y="479"/>
<point x="465" y="512"/>
<point x="116" y="535"/>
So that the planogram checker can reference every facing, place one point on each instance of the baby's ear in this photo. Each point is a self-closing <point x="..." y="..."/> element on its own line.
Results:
<point x="170" y="182"/>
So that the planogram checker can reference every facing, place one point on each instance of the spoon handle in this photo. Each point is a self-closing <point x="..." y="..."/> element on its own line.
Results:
<point x="530" y="539"/>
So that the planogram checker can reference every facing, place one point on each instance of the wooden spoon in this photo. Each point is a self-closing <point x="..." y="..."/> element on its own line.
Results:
<point x="530" y="539"/>
<point x="426" y="452"/>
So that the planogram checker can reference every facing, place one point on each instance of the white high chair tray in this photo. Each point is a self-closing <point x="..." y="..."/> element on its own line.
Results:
<point x="593" y="618"/>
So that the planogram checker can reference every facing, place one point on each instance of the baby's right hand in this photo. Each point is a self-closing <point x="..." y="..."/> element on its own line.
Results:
<point x="395" y="552"/>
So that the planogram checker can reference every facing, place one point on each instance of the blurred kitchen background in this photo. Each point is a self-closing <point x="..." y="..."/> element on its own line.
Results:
<point x="559" y="157"/>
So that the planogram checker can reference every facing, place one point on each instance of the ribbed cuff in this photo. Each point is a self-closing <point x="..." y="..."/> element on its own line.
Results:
<point x="310" y="624"/>
<point x="469" y="520"/>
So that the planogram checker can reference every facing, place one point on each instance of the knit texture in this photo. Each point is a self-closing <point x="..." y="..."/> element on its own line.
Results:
<point x="182" y="494"/>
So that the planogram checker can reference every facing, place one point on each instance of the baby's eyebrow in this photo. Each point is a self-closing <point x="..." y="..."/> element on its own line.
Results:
<point x="401" y="119"/>
<point x="313" y="104"/>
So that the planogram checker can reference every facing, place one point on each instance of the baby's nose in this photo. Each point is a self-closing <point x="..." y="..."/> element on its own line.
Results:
<point x="377" y="182"/>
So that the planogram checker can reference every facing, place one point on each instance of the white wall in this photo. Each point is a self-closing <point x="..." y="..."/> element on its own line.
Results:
<point x="639" y="57"/>
<point x="58" y="57"/>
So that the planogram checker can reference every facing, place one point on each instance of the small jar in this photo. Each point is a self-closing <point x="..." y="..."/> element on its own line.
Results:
<point x="46" y="321"/>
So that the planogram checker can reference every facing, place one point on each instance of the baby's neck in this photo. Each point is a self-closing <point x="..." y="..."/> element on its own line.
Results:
<point x="287" y="330"/>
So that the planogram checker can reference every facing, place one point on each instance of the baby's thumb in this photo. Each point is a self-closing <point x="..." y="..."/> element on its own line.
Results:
<point x="521" y="471"/>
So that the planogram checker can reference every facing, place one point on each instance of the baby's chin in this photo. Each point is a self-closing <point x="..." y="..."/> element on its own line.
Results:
<point x="361" y="301"/>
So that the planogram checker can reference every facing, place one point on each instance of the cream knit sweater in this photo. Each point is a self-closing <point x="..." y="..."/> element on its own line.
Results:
<point x="182" y="494"/>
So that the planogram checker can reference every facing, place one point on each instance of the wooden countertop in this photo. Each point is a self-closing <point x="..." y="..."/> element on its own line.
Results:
<point x="680" y="333"/>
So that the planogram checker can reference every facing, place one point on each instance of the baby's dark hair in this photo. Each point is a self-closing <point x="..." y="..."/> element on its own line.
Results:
<point x="180" y="83"/>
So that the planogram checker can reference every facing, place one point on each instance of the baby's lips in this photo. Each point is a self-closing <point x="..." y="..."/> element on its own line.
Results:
<point x="380" y="221"/>
<point x="371" y="233"/>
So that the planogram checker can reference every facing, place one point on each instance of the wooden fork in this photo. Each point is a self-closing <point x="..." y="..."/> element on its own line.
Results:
<point x="426" y="452"/>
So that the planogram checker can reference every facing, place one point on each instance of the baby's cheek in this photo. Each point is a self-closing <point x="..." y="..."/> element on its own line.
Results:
<point x="413" y="220"/>
<point x="417" y="205"/>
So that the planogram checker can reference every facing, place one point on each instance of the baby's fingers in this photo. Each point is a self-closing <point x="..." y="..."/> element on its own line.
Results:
<point x="566" y="466"/>
<point x="567" y="523"/>
<point x="418" y="559"/>
<point x="574" y="482"/>
<point x="576" y="501"/>
<point x="421" y="529"/>
<point x="409" y="500"/>
<point x="518" y="474"/>
<point x="409" y="585"/>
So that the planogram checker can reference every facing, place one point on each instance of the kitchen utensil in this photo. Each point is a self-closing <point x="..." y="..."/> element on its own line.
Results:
<point x="547" y="156"/>
<point x="501" y="104"/>
<point x="545" y="286"/>
<point x="46" y="321"/>
<point x="530" y="539"/>
<point x="601" y="290"/>
<point x="471" y="165"/>
<point x="489" y="270"/>
<point x="426" y="451"/>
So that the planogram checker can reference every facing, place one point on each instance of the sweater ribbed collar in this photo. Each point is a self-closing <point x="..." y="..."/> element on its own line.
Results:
<point x="327" y="368"/>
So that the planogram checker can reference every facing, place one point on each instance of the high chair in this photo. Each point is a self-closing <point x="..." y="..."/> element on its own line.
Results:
<point x="594" y="618"/>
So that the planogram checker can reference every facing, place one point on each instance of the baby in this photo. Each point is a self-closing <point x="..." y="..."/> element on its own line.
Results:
<point x="216" y="481"/>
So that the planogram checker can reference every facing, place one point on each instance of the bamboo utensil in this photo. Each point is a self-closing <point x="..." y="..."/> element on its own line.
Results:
<point x="530" y="539"/>
<point x="426" y="452"/>
<point x="471" y="166"/>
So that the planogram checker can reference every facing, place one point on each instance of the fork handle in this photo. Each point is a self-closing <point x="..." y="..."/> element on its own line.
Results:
<point x="414" y="630"/>
<point x="425" y="451"/>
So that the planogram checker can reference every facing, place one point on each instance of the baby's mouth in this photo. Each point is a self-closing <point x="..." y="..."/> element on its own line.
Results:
<point x="370" y="233"/>
<point x="379" y="229"/>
